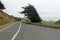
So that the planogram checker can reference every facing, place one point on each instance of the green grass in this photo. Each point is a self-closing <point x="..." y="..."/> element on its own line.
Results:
<point x="3" y="22"/>
<point x="1" y="19"/>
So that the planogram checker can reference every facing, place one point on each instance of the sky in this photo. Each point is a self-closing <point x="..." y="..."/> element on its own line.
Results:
<point x="47" y="9"/>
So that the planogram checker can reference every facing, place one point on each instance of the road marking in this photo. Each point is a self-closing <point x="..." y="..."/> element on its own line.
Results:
<point x="16" y="32"/>
<point x="6" y="27"/>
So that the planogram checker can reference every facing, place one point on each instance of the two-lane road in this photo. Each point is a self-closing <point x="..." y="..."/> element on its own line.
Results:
<point x="21" y="31"/>
<point x="8" y="33"/>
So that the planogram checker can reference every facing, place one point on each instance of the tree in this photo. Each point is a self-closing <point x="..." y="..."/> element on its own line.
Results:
<point x="1" y="6"/>
<point x="31" y="13"/>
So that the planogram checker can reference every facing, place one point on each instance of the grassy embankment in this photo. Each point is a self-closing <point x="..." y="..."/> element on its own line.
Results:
<point x="46" y="24"/>
<point x="2" y="22"/>
<point x="5" y="18"/>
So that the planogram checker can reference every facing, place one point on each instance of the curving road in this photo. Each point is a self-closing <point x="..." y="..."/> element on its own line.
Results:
<point x="21" y="31"/>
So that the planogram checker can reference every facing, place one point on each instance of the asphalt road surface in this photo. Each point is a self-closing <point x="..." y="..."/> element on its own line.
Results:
<point x="21" y="31"/>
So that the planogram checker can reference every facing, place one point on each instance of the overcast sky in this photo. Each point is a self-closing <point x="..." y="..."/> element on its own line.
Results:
<point x="47" y="9"/>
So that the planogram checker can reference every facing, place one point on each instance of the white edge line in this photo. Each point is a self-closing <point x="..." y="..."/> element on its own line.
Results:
<point x="16" y="32"/>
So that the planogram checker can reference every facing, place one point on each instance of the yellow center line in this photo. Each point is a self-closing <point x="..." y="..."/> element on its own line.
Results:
<point x="6" y="27"/>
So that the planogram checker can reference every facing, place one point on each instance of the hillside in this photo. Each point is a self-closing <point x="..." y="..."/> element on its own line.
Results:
<point x="5" y="18"/>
